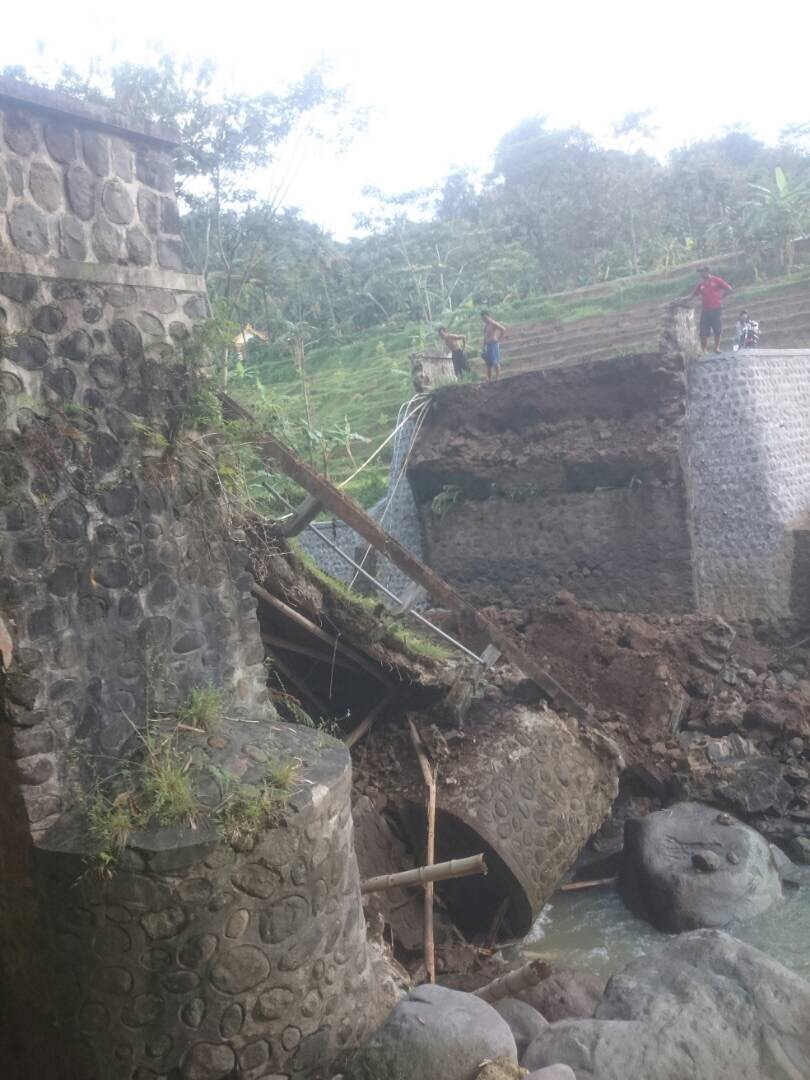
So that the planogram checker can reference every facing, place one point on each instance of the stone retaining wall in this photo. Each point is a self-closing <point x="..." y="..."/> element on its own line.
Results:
<point x="749" y="469"/>
<point x="201" y="961"/>
<point x="123" y="586"/>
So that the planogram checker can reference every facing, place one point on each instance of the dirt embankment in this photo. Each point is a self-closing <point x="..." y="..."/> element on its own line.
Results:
<point x="700" y="708"/>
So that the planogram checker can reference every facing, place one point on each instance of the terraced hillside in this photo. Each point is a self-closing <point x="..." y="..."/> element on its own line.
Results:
<point x="782" y="309"/>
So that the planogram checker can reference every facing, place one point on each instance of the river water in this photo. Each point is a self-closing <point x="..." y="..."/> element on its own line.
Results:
<point x="592" y="930"/>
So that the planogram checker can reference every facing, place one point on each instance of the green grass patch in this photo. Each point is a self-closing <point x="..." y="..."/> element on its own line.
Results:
<point x="160" y="787"/>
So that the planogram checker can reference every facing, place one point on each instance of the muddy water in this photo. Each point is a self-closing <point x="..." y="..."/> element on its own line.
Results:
<point x="592" y="930"/>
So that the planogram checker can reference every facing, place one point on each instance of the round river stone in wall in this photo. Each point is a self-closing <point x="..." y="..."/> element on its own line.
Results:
<point x="96" y="152"/>
<point x="29" y="229"/>
<point x="170" y="254"/>
<point x="72" y="240"/>
<point x="81" y="189"/>
<point x="29" y="352"/>
<point x="148" y="210"/>
<point x="117" y="202"/>
<point x="18" y="133"/>
<point x="77" y="346"/>
<point x="61" y="142"/>
<point x="49" y="319"/>
<point x="106" y="241"/>
<point x="139" y="249"/>
<point x="45" y="186"/>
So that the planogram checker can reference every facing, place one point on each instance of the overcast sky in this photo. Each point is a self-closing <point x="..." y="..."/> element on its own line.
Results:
<point x="446" y="79"/>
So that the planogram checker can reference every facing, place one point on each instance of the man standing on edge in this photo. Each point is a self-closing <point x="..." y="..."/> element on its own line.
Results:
<point x="493" y="332"/>
<point x="711" y="290"/>
<point x="456" y="343"/>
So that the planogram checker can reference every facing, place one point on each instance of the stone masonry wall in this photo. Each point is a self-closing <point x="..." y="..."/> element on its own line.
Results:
<point x="123" y="585"/>
<point x="199" y="961"/>
<point x="121" y="593"/>
<point x="749" y="467"/>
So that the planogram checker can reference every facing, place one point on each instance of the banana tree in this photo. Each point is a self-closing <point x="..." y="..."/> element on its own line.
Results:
<point x="777" y="215"/>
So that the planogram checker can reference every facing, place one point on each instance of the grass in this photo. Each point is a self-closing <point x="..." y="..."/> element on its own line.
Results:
<point x="249" y="809"/>
<point x="160" y="787"/>
<point x="203" y="708"/>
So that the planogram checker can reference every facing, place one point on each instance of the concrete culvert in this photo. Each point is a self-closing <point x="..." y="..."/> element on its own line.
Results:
<point x="526" y="788"/>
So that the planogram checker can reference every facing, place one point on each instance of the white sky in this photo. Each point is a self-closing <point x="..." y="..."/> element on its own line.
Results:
<point x="446" y="79"/>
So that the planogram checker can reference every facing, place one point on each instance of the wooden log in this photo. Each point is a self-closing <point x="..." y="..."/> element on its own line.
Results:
<point x="366" y="723"/>
<point x="429" y="776"/>
<point x="296" y="616"/>
<point x="321" y="708"/>
<point x="293" y="646"/>
<point x="421" y="875"/>
<point x="514" y="981"/>
<point x="572" y="885"/>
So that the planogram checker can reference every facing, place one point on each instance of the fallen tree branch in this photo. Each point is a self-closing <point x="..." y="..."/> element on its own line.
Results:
<point x="515" y="981"/>
<point x="421" y="875"/>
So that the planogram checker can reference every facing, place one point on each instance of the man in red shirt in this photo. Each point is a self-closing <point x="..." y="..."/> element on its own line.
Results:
<point x="711" y="290"/>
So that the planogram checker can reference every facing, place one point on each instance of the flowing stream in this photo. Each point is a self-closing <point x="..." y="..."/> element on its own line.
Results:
<point x="592" y="930"/>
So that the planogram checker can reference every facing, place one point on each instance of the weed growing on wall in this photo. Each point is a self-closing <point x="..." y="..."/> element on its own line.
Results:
<point x="160" y="786"/>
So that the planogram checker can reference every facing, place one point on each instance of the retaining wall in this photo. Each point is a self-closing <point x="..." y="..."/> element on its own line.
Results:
<point x="749" y="469"/>
<point x="123" y="586"/>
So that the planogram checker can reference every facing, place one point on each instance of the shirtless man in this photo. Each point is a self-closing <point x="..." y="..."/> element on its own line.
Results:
<point x="491" y="354"/>
<point x="456" y="343"/>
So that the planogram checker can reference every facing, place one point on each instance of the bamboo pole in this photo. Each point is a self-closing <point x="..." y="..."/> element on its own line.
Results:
<point x="429" y="776"/>
<point x="421" y="875"/>
<point x="316" y="631"/>
<point x="572" y="885"/>
<point x="293" y="646"/>
<point x="515" y="981"/>
<point x="366" y="723"/>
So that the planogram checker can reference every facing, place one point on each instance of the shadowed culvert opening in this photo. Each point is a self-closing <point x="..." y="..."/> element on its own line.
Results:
<point x="473" y="903"/>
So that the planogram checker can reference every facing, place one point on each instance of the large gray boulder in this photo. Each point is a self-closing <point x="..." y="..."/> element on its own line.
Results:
<point x="704" y="1005"/>
<point x="566" y="994"/>
<point x="524" y="1021"/>
<point x="692" y="866"/>
<point x="434" y="1034"/>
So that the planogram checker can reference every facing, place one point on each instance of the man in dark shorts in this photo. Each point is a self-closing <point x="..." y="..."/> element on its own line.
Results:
<point x="491" y="353"/>
<point x="456" y="343"/>
<point x="711" y="290"/>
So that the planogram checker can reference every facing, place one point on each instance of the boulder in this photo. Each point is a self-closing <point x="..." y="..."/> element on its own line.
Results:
<point x="524" y="1021"/>
<point x="434" y="1033"/>
<point x="799" y="848"/>
<point x="689" y="866"/>
<point x="731" y="772"/>
<point x="703" y="1005"/>
<point x="566" y="995"/>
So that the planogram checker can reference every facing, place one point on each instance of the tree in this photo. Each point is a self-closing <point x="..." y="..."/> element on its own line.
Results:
<point x="776" y="216"/>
